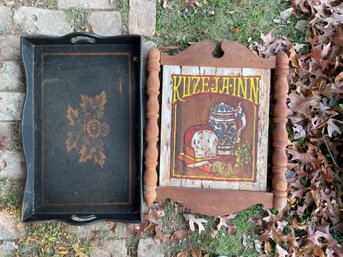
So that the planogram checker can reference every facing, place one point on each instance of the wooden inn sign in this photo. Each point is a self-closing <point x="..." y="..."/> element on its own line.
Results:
<point x="208" y="148"/>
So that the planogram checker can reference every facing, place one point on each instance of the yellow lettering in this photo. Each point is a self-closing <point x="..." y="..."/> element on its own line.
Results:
<point x="186" y="86"/>
<point x="196" y="80"/>
<point x="246" y="87"/>
<point x="176" y="85"/>
<point x="214" y="88"/>
<point x="205" y="84"/>
<point x="233" y="86"/>
<point x="254" y="88"/>
<point x="242" y="87"/>
<point x="225" y="86"/>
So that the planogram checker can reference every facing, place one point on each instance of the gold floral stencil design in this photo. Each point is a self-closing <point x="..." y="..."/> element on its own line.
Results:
<point x="87" y="130"/>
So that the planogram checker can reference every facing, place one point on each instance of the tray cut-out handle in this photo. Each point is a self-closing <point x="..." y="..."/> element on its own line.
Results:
<point x="82" y="219"/>
<point x="81" y="38"/>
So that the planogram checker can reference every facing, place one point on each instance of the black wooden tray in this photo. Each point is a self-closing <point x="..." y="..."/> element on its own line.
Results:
<point x="82" y="128"/>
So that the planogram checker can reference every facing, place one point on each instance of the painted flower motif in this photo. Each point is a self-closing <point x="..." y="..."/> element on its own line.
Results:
<point x="87" y="130"/>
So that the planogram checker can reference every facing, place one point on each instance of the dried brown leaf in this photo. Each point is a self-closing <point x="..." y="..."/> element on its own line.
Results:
<point x="196" y="252"/>
<point x="182" y="254"/>
<point x="62" y="250"/>
<point x="308" y="157"/>
<point x="179" y="235"/>
<point x="267" y="247"/>
<point x="164" y="237"/>
<point x="281" y="252"/>
<point x="303" y="104"/>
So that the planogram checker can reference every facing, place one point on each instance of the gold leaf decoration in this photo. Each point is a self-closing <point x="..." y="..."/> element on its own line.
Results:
<point x="87" y="130"/>
<point x="72" y="115"/>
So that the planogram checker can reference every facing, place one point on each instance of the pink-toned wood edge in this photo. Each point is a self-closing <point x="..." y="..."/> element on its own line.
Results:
<point x="152" y="129"/>
<point x="235" y="56"/>
<point x="217" y="201"/>
<point x="214" y="202"/>
<point x="280" y="137"/>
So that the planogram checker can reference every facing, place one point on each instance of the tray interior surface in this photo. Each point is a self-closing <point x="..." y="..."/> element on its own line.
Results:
<point x="86" y="130"/>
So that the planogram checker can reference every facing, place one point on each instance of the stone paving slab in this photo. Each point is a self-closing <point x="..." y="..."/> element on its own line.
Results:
<point x="12" y="165"/>
<point x="149" y="247"/>
<point x="8" y="228"/>
<point x="5" y="19"/>
<point x="86" y="4"/>
<point x="41" y="21"/>
<point x="86" y="232"/>
<point x="7" y="249"/>
<point x="10" y="76"/>
<point x="9" y="47"/>
<point x="105" y="23"/>
<point x="11" y="106"/>
<point x="110" y="248"/>
<point x="142" y="17"/>
<point x="6" y="138"/>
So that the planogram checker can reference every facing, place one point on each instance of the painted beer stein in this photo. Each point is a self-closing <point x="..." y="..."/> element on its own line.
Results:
<point x="227" y="123"/>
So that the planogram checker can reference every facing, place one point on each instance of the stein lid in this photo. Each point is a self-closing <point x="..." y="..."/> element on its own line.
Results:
<point x="222" y="108"/>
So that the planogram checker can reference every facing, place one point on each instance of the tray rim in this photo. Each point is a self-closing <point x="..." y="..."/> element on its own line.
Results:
<point x="27" y="47"/>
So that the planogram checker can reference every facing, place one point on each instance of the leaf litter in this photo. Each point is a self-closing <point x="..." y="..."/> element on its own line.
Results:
<point x="311" y="225"/>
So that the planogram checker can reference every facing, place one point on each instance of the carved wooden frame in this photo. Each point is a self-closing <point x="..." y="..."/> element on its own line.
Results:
<point x="217" y="201"/>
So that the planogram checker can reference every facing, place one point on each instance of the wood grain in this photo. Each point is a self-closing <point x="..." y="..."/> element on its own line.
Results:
<point x="214" y="202"/>
<point x="235" y="55"/>
<point x="279" y="159"/>
<point x="152" y="129"/>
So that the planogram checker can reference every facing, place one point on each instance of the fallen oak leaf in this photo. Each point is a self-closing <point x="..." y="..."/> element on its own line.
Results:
<point x="223" y="222"/>
<point x="245" y="240"/>
<point x="267" y="247"/>
<point x="166" y="238"/>
<point x="332" y="127"/>
<point x="62" y="250"/>
<point x="192" y="220"/>
<point x="165" y="4"/>
<point x="282" y="252"/>
<point x="303" y="104"/>
<point x="182" y="254"/>
<point x="78" y="252"/>
<point x="190" y="2"/>
<point x="196" y="252"/>
<point x="179" y="235"/>
<point x="153" y="216"/>
<point x="148" y="228"/>
<point x="258" y="246"/>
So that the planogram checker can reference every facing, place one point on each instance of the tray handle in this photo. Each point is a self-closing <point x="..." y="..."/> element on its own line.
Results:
<point x="82" y="219"/>
<point x="81" y="38"/>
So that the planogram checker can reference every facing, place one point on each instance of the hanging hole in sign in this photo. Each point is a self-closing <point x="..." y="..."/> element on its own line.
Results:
<point x="218" y="51"/>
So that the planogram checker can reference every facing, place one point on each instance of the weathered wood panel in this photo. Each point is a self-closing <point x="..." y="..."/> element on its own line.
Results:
<point x="194" y="111"/>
